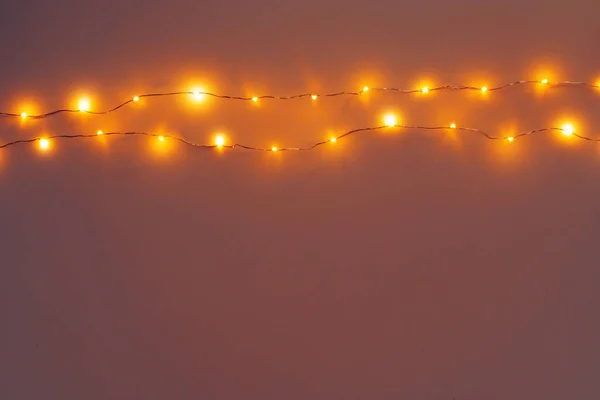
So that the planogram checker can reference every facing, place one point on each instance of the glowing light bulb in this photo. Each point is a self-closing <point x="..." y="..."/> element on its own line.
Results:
<point x="567" y="129"/>
<point x="220" y="141"/>
<point x="484" y="89"/>
<point x="544" y="81"/>
<point x="273" y="148"/>
<point x="84" y="105"/>
<point x="390" y="120"/>
<point x="510" y="139"/>
<point x="198" y="94"/>
<point x="425" y="90"/>
<point x="44" y="144"/>
<point x="453" y="125"/>
<point x="99" y="133"/>
<point x="255" y="99"/>
<point x="365" y="89"/>
<point x="23" y="115"/>
<point x="136" y="98"/>
<point x="333" y="140"/>
<point x="161" y="138"/>
<point x="314" y="96"/>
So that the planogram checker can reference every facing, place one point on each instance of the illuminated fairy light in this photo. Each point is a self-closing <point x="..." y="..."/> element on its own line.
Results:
<point x="220" y="141"/>
<point x="390" y="120"/>
<point x="23" y="115"/>
<point x="99" y="132"/>
<point x="453" y="126"/>
<point x="567" y="129"/>
<point x="44" y="142"/>
<point x="84" y="105"/>
<point x="313" y="96"/>
<point x="296" y="96"/>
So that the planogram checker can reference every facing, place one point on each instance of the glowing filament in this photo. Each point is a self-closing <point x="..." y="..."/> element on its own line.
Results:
<point x="84" y="105"/>
<point x="136" y="98"/>
<point x="220" y="141"/>
<point x="255" y="99"/>
<point x="425" y="90"/>
<point x="365" y="89"/>
<point x="544" y="81"/>
<point x="198" y="95"/>
<point x="567" y="129"/>
<point x="273" y="148"/>
<point x="510" y="139"/>
<point x="44" y="144"/>
<point x="314" y="96"/>
<point x="99" y="133"/>
<point x="453" y="125"/>
<point x="390" y="120"/>
<point x="333" y="140"/>
<point x="484" y="89"/>
<point x="23" y="115"/>
<point x="161" y="138"/>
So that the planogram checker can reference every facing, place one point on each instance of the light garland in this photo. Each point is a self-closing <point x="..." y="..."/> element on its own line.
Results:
<point x="85" y="107"/>
<point x="220" y="143"/>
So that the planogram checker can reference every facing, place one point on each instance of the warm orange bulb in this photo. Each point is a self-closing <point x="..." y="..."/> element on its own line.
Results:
<point x="510" y="139"/>
<point x="484" y="89"/>
<point x="314" y="96"/>
<point x="567" y="129"/>
<point x="390" y="120"/>
<point x="136" y="98"/>
<point x="273" y="148"/>
<point x="161" y="138"/>
<point x="365" y="89"/>
<point x="198" y="94"/>
<point x="23" y="115"/>
<point x="220" y="141"/>
<point x="452" y="125"/>
<point x="255" y="99"/>
<point x="333" y="140"/>
<point x="544" y="81"/>
<point x="44" y="144"/>
<point x="425" y="90"/>
<point x="99" y="133"/>
<point x="84" y="105"/>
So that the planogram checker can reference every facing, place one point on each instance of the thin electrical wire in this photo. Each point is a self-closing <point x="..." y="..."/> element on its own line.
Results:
<point x="311" y="147"/>
<point x="298" y="96"/>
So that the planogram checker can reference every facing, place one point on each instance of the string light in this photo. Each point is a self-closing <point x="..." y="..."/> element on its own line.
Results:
<point x="567" y="129"/>
<point x="23" y="115"/>
<point x="99" y="133"/>
<point x="84" y="107"/>
<point x="453" y="125"/>
<point x="390" y="120"/>
<point x="44" y="142"/>
<point x="314" y="96"/>
<point x="220" y="141"/>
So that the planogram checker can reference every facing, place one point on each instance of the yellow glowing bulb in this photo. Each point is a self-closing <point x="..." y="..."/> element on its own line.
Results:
<point x="44" y="144"/>
<point x="544" y="81"/>
<point x="99" y="133"/>
<point x="390" y="120"/>
<point x="425" y="90"/>
<point x="161" y="138"/>
<point x="452" y="125"/>
<point x="84" y="105"/>
<point x="567" y="129"/>
<point x="220" y="141"/>
<point x="136" y="98"/>
<point x="510" y="139"/>
<point x="23" y="115"/>
<point x="314" y="96"/>
<point x="255" y="99"/>
<point x="273" y="148"/>
<point x="333" y="140"/>
<point x="484" y="89"/>
<point x="198" y="95"/>
<point x="365" y="89"/>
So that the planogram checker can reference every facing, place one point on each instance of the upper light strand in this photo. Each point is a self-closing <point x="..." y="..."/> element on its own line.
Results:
<point x="86" y="109"/>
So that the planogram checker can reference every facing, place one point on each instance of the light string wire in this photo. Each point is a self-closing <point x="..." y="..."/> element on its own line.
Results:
<point x="311" y="95"/>
<point x="162" y="137"/>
